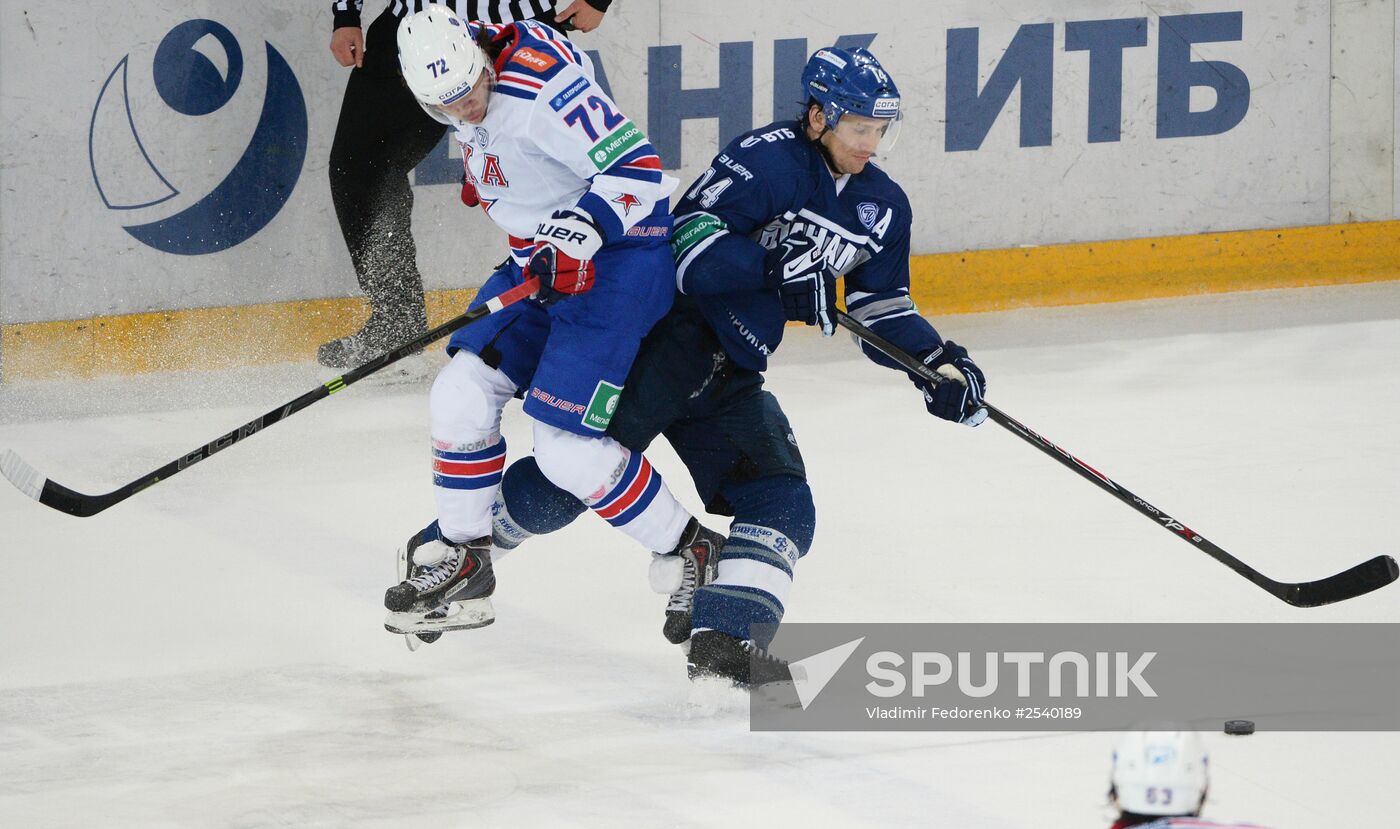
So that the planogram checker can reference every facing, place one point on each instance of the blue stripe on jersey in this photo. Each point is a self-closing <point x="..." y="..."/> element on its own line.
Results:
<point x="516" y="92"/>
<point x="629" y="166"/>
<point x="540" y="49"/>
<point x="538" y="31"/>
<point x="634" y="173"/>
<point x="602" y="212"/>
<point x="642" y="151"/>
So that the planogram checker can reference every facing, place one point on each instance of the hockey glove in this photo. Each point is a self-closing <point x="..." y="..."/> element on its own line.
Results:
<point x="959" y="397"/>
<point x="807" y="286"/>
<point x="469" y="195"/>
<point x="565" y="245"/>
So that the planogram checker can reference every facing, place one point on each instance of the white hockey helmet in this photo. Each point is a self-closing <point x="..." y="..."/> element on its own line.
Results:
<point x="1160" y="773"/>
<point x="440" y="58"/>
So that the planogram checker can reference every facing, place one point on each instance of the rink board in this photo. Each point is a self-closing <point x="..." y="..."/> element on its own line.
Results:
<point x="951" y="283"/>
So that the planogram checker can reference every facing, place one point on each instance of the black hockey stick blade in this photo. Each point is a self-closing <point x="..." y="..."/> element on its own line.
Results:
<point x="1358" y="581"/>
<point x="1348" y="584"/>
<point x="53" y="494"/>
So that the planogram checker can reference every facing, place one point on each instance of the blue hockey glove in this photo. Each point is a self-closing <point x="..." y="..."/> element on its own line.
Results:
<point x="807" y="286"/>
<point x="565" y="245"/>
<point x="959" y="397"/>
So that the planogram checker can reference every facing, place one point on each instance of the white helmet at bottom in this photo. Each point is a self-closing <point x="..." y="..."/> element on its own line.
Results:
<point x="440" y="58"/>
<point x="1160" y="773"/>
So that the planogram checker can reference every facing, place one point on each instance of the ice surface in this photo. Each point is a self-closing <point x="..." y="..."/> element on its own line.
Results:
<point x="209" y="653"/>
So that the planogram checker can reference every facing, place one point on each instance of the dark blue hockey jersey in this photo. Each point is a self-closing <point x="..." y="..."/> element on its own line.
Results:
<point x="767" y="184"/>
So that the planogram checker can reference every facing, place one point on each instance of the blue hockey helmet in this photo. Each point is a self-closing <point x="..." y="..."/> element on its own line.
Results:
<point x="852" y="81"/>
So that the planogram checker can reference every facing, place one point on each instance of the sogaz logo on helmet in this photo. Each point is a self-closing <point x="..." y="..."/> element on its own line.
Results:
<point x="885" y="106"/>
<point x="166" y="133"/>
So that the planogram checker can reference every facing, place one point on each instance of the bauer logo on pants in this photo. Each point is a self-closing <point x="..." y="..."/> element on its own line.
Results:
<point x="196" y="90"/>
<point x="601" y="407"/>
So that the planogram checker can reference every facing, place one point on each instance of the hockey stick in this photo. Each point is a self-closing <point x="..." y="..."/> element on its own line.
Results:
<point x="1348" y="584"/>
<point x="52" y="494"/>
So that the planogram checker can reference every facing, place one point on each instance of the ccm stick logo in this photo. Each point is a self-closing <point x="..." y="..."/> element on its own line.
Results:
<point x="252" y="427"/>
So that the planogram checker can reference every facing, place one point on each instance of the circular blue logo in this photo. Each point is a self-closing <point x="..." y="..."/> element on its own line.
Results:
<point x="197" y="70"/>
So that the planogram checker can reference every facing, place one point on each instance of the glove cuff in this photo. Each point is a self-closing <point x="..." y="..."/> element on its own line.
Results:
<point x="572" y="233"/>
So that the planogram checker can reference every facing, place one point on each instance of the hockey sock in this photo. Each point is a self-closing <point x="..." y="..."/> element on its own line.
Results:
<point x="469" y="454"/>
<point x="619" y="485"/>
<point x="774" y="521"/>
<point x="528" y="504"/>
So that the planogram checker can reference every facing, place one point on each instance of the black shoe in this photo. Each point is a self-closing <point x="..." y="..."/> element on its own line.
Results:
<point x="718" y="655"/>
<point x="463" y="574"/>
<point x="378" y="335"/>
<point x="699" y="550"/>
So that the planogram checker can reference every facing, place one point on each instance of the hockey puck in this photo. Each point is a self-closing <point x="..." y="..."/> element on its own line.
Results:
<point x="1239" y="727"/>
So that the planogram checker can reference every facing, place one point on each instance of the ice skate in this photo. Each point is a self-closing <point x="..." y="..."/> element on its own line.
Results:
<point x="716" y="655"/>
<point x="452" y="592"/>
<point x="680" y="572"/>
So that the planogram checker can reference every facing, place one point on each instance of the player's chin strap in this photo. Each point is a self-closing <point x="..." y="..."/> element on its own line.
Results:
<point x="52" y="494"/>
<point x="1363" y="578"/>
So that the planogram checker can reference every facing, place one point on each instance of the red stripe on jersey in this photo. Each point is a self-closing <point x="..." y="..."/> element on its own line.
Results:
<point x="510" y="77"/>
<point x="646" y="162"/>
<point x="546" y="35"/>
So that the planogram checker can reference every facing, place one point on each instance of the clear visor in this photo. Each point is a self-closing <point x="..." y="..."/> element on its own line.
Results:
<point x="469" y="107"/>
<point x="875" y="136"/>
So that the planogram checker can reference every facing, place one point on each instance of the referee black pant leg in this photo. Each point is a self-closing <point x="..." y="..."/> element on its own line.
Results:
<point x="382" y="134"/>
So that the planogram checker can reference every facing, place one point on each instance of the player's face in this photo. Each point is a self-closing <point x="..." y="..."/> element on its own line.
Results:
<point x="855" y="140"/>
<point x="471" y="107"/>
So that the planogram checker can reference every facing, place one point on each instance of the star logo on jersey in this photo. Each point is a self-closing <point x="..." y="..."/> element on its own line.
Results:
<point x="628" y="201"/>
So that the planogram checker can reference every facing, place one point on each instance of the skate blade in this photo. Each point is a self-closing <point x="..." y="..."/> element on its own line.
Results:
<point x="411" y="641"/>
<point x="414" y="641"/>
<point x="474" y="613"/>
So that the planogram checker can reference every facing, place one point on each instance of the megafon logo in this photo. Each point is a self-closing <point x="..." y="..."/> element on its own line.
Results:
<point x="197" y="71"/>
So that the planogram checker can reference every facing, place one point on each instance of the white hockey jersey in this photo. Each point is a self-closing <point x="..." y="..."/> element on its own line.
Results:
<point x="552" y="139"/>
